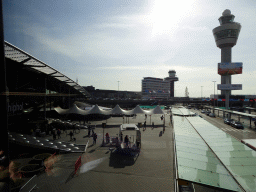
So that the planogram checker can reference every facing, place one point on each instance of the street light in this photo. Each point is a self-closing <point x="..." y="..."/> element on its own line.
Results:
<point x="214" y="96"/>
<point x="201" y="96"/>
<point x="118" y="90"/>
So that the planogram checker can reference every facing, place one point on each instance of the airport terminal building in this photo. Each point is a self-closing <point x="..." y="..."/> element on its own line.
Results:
<point x="157" y="88"/>
<point x="34" y="88"/>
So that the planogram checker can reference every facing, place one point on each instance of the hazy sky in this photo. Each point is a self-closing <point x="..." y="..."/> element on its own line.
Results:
<point x="101" y="42"/>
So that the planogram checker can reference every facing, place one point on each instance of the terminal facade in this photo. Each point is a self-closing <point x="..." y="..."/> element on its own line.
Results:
<point x="157" y="88"/>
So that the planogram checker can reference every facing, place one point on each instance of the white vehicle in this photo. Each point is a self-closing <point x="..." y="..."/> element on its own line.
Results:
<point x="129" y="137"/>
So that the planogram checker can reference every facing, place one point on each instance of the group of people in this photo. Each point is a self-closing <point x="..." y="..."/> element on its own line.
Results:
<point x="55" y="134"/>
<point x="93" y="135"/>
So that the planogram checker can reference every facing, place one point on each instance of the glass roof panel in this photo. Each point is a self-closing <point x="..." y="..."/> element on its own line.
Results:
<point x="242" y="170"/>
<point x="195" y="151"/>
<point x="191" y="145"/>
<point x="225" y="143"/>
<point x="45" y="70"/>
<point x="197" y="157"/>
<point x="230" y="148"/>
<point x="238" y="161"/>
<point x="62" y="78"/>
<point x="15" y="55"/>
<point x="206" y="177"/>
<point x="248" y="182"/>
<point x="211" y="167"/>
<point x="243" y="153"/>
<point x="196" y="162"/>
<point x="34" y="63"/>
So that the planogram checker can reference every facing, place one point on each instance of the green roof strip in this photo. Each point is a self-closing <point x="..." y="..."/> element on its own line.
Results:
<point x="239" y="159"/>
<point x="195" y="160"/>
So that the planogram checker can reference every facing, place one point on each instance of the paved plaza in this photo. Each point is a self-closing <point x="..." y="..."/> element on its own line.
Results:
<point x="101" y="170"/>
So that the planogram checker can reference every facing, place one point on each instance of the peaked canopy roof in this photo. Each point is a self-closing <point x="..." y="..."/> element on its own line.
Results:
<point x="116" y="110"/>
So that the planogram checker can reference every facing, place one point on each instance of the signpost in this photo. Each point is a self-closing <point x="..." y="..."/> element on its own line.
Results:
<point x="229" y="86"/>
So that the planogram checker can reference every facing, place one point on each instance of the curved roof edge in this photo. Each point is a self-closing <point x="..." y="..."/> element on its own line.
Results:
<point x="20" y="56"/>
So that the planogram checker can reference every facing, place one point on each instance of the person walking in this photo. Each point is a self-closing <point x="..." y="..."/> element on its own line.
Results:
<point x="71" y="135"/>
<point x="58" y="133"/>
<point x="107" y="138"/>
<point x="89" y="131"/>
<point x="121" y="137"/>
<point x="126" y="140"/>
<point x="94" y="138"/>
<point x="145" y="124"/>
<point x="54" y="134"/>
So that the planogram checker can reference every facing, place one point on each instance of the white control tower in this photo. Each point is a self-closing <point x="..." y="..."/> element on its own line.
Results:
<point x="226" y="36"/>
<point x="172" y="78"/>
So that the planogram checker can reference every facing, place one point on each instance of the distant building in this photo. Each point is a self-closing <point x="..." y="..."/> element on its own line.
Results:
<point x="112" y="94"/>
<point x="157" y="88"/>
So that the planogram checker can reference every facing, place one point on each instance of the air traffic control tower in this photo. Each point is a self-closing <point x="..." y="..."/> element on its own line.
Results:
<point x="172" y="78"/>
<point x="226" y="36"/>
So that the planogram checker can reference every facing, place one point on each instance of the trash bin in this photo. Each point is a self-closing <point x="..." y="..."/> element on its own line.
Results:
<point x="139" y="125"/>
<point x="103" y="125"/>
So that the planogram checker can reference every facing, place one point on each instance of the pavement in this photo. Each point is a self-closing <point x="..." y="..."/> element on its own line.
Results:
<point x="150" y="170"/>
<point x="240" y="134"/>
<point x="101" y="170"/>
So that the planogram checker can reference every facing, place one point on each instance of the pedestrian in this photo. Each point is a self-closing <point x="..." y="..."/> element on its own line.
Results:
<point x="107" y="138"/>
<point x="153" y="125"/>
<point x="145" y="116"/>
<point x="126" y="140"/>
<point x="117" y="142"/>
<point x="54" y="134"/>
<point x="94" y="138"/>
<point x="89" y="131"/>
<point x="121" y="137"/>
<point x="58" y="133"/>
<point x="145" y="124"/>
<point x="71" y="135"/>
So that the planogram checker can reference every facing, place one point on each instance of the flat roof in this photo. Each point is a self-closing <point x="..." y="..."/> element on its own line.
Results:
<point x="239" y="159"/>
<point x="195" y="160"/>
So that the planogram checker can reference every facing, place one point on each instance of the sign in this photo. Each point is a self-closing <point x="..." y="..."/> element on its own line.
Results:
<point x="229" y="86"/>
<point x="230" y="68"/>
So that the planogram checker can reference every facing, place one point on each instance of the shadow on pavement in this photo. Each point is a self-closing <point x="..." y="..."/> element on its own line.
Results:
<point x="121" y="160"/>
<point x="71" y="176"/>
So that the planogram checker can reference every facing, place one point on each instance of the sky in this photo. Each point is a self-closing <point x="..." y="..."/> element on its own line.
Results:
<point x="101" y="42"/>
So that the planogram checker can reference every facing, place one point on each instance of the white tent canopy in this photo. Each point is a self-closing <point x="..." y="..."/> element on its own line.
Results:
<point x="116" y="110"/>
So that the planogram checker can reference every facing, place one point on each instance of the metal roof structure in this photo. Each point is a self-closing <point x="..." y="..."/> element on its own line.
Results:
<point x="19" y="56"/>
<point x="234" y="112"/>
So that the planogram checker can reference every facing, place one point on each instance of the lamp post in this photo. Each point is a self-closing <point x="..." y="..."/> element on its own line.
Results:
<point x="213" y="97"/>
<point x="202" y="95"/>
<point x="118" y="90"/>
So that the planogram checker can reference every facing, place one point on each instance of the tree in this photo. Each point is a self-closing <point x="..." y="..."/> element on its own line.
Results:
<point x="186" y="92"/>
